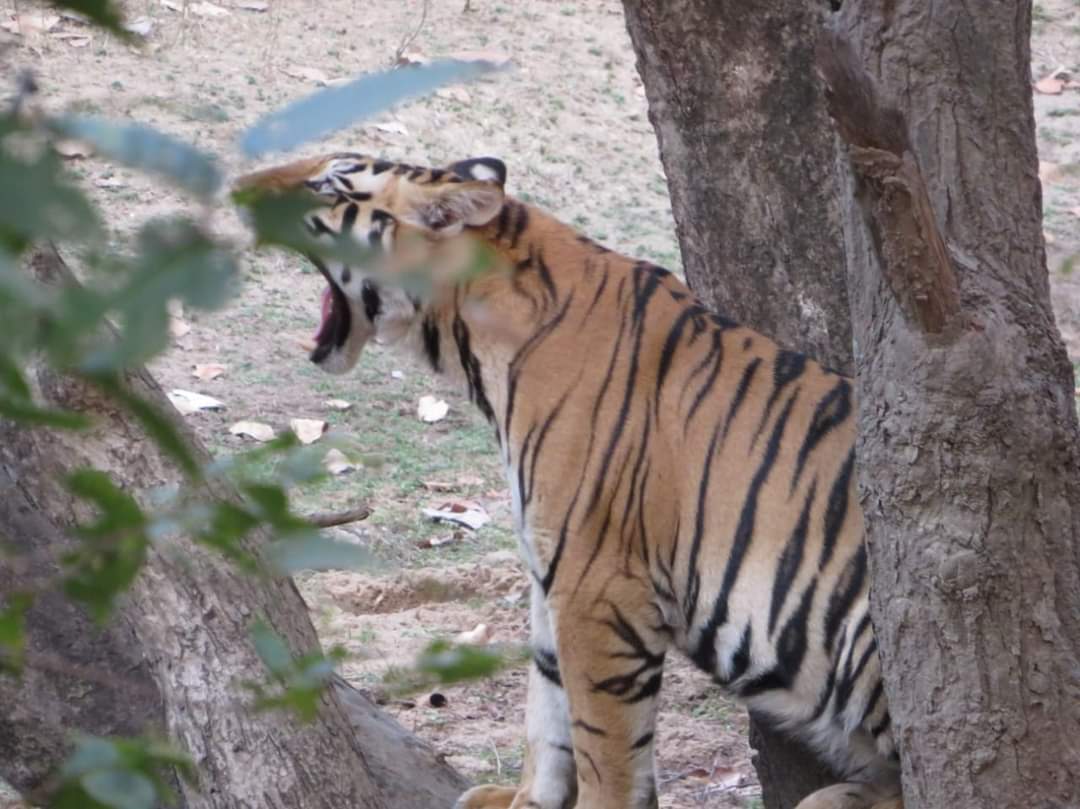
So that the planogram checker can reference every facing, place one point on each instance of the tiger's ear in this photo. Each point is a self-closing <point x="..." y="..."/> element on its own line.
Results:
<point x="485" y="169"/>
<point x="447" y="208"/>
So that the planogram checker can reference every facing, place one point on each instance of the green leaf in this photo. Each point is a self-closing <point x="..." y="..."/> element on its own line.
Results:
<point x="120" y="789"/>
<point x="45" y="207"/>
<point x="303" y="465"/>
<point x="144" y="148"/>
<point x="11" y="378"/>
<point x="312" y="551"/>
<point x="123" y="773"/>
<point x="271" y="649"/>
<point x="91" y="753"/>
<point x="298" y="682"/>
<point x="13" y="630"/>
<point x="175" y="260"/>
<point x="450" y="663"/>
<point x="273" y="505"/>
<point x="102" y="12"/>
<point x="29" y="413"/>
<point x="338" y="107"/>
<point x="278" y="219"/>
<point x="111" y="551"/>
<point x="225" y="531"/>
<point x="157" y="424"/>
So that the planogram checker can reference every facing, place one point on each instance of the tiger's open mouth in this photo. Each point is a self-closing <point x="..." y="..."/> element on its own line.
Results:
<point x="335" y="322"/>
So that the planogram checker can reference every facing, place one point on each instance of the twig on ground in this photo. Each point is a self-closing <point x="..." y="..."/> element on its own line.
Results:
<point x="328" y="519"/>
<point x="410" y="37"/>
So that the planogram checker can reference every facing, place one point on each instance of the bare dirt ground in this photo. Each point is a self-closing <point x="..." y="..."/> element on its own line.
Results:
<point x="570" y="121"/>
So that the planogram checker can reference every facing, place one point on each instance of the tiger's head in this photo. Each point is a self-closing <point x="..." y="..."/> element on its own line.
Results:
<point x="406" y="219"/>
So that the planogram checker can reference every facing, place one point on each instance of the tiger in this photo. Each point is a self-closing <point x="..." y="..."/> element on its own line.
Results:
<point x="678" y="481"/>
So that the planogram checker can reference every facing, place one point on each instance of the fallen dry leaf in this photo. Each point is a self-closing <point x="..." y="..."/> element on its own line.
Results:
<point x="1075" y="211"/>
<point x="308" y="430"/>
<point x="471" y="515"/>
<point x="1050" y="86"/>
<point x="173" y="5"/>
<point x="140" y="25"/>
<point x="253" y="429"/>
<point x="253" y="5"/>
<point x="438" y="542"/>
<point x="412" y="58"/>
<point x="108" y="182"/>
<point x="395" y="374"/>
<point x="72" y="149"/>
<point x="478" y="636"/>
<point x="392" y="127"/>
<point x="312" y="74"/>
<point x="208" y="371"/>
<point x="438" y="486"/>
<point x="337" y="463"/>
<point x="209" y="10"/>
<point x="496" y="58"/>
<point x="470" y="480"/>
<point x="75" y="39"/>
<point x="727" y="776"/>
<point x="429" y="409"/>
<point x="459" y="94"/>
<point x="1050" y="172"/>
<point x="338" y="404"/>
<point x="31" y="22"/>
<point x="178" y="327"/>
<point x="188" y="401"/>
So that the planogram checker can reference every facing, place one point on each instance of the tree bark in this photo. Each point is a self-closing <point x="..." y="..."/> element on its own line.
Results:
<point x="748" y="151"/>
<point x="179" y="646"/>
<point x="968" y="444"/>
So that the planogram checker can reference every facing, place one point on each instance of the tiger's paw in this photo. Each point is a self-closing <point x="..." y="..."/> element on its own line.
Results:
<point x="852" y="796"/>
<point x="487" y="797"/>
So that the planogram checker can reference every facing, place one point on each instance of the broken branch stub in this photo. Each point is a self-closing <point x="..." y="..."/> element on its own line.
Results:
<point x="893" y="193"/>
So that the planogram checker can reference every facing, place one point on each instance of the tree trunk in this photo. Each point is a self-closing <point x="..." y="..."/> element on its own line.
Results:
<point x="968" y="444"/>
<point x="748" y="151"/>
<point x="179" y="646"/>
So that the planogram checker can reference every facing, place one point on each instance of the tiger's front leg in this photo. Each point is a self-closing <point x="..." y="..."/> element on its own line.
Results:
<point x="548" y="778"/>
<point x="611" y="641"/>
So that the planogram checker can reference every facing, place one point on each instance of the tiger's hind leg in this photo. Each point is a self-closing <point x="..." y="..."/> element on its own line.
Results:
<point x="852" y="796"/>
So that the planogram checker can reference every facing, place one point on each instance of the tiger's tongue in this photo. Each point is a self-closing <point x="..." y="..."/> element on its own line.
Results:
<point x="327" y="308"/>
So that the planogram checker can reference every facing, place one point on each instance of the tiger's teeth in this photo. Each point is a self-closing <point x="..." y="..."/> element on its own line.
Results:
<point x="306" y="343"/>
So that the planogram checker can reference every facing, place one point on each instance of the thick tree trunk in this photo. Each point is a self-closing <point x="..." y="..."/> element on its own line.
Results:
<point x="968" y="444"/>
<point x="179" y="647"/>
<point x="748" y="151"/>
<point x="78" y="675"/>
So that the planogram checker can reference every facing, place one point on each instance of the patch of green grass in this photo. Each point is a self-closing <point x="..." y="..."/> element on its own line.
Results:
<point x="503" y="764"/>
<point x="711" y="705"/>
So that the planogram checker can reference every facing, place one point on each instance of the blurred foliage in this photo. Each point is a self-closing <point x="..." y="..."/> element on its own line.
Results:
<point x="98" y="331"/>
